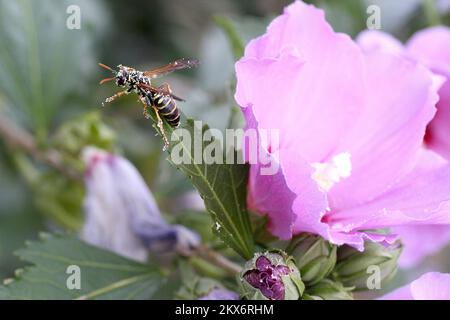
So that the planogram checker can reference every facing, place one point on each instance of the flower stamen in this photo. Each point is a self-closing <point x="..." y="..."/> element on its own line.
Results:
<point x="328" y="174"/>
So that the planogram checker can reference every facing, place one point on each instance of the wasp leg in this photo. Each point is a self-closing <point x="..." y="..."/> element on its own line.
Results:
<point x="145" y="112"/>
<point x="161" y="128"/>
<point x="114" y="97"/>
<point x="160" y="122"/>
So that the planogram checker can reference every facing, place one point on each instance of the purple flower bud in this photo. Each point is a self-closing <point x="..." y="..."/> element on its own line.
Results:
<point x="267" y="278"/>
<point x="121" y="213"/>
<point x="272" y="276"/>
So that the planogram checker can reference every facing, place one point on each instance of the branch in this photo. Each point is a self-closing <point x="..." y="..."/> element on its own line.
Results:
<point x="19" y="138"/>
<point x="215" y="258"/>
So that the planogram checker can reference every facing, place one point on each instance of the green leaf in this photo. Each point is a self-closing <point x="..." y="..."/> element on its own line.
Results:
<point x="103" y="274"/>
<point x="59" y="198"/>
<point x="41" y="60"/>
<point x="194" y="286"/>
<point x="223" y="188"/>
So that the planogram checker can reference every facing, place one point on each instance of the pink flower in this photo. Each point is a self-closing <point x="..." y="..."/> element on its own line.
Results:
<point x="351" y="128"/>
<point x="430" y="286"/>
<point x="431" y="47"/>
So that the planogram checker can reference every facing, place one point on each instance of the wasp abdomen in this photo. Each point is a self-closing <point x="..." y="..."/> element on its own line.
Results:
<point x="167" y="109"/>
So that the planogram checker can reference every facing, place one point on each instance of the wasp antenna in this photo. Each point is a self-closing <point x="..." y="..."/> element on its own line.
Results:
<point x="106" y="67"/>
<point x="106" y="80"/>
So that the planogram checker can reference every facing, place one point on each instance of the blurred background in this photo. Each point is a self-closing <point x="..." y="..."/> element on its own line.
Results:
<point x="50" y="100"/>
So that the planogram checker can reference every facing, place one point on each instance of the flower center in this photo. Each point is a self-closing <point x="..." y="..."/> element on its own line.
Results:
<point x="328" y="174"/>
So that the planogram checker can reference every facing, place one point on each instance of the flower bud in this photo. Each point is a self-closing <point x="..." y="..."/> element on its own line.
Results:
<point x="88" y="129"/>
<point x="355" y="269"/>
<point x="271" y="276"/>
<point x="314" y="257"/>
<point x="328" y="289"/>
<point x="121" y="212"/>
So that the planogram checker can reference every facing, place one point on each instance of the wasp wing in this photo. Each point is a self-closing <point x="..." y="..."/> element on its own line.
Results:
<point x="179" y="64"/>
<point x="159" y="90"/>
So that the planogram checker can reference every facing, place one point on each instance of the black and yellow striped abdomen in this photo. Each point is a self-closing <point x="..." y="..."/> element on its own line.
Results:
<point x="167" y="109"/>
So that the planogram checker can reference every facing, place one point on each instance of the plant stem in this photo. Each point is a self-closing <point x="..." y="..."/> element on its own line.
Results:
<point x="233" y="36"/>
<point x="206" y="268"/>
<point x="214" y="258"/>
<point x="431" y="12"/>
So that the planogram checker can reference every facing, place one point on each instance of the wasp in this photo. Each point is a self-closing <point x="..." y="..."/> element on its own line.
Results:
<point x="160" y="99"/>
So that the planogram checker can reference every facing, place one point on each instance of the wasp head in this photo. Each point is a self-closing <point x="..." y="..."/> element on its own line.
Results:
<point x="123" y="75"/>
<point x="121" y="78"/>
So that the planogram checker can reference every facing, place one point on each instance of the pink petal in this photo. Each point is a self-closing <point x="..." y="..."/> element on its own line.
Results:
<point x="439" y="129"/>
<point x="310" y="204"/>
<point x="288" y="210"/>
<point x="269" y="194"/>
<point x="421" y="241"/>
<point x="304" y="80"/>
<point x="432" y="47"/>
<point x="386" y="137"/>
<point x="430" y="286"/>
<point x="356" y="239"/>
<point x="374" y="40"/>
<point x="287" y="197"/>
<point x="403" y="293"/>
<point x="421" y="198"/>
